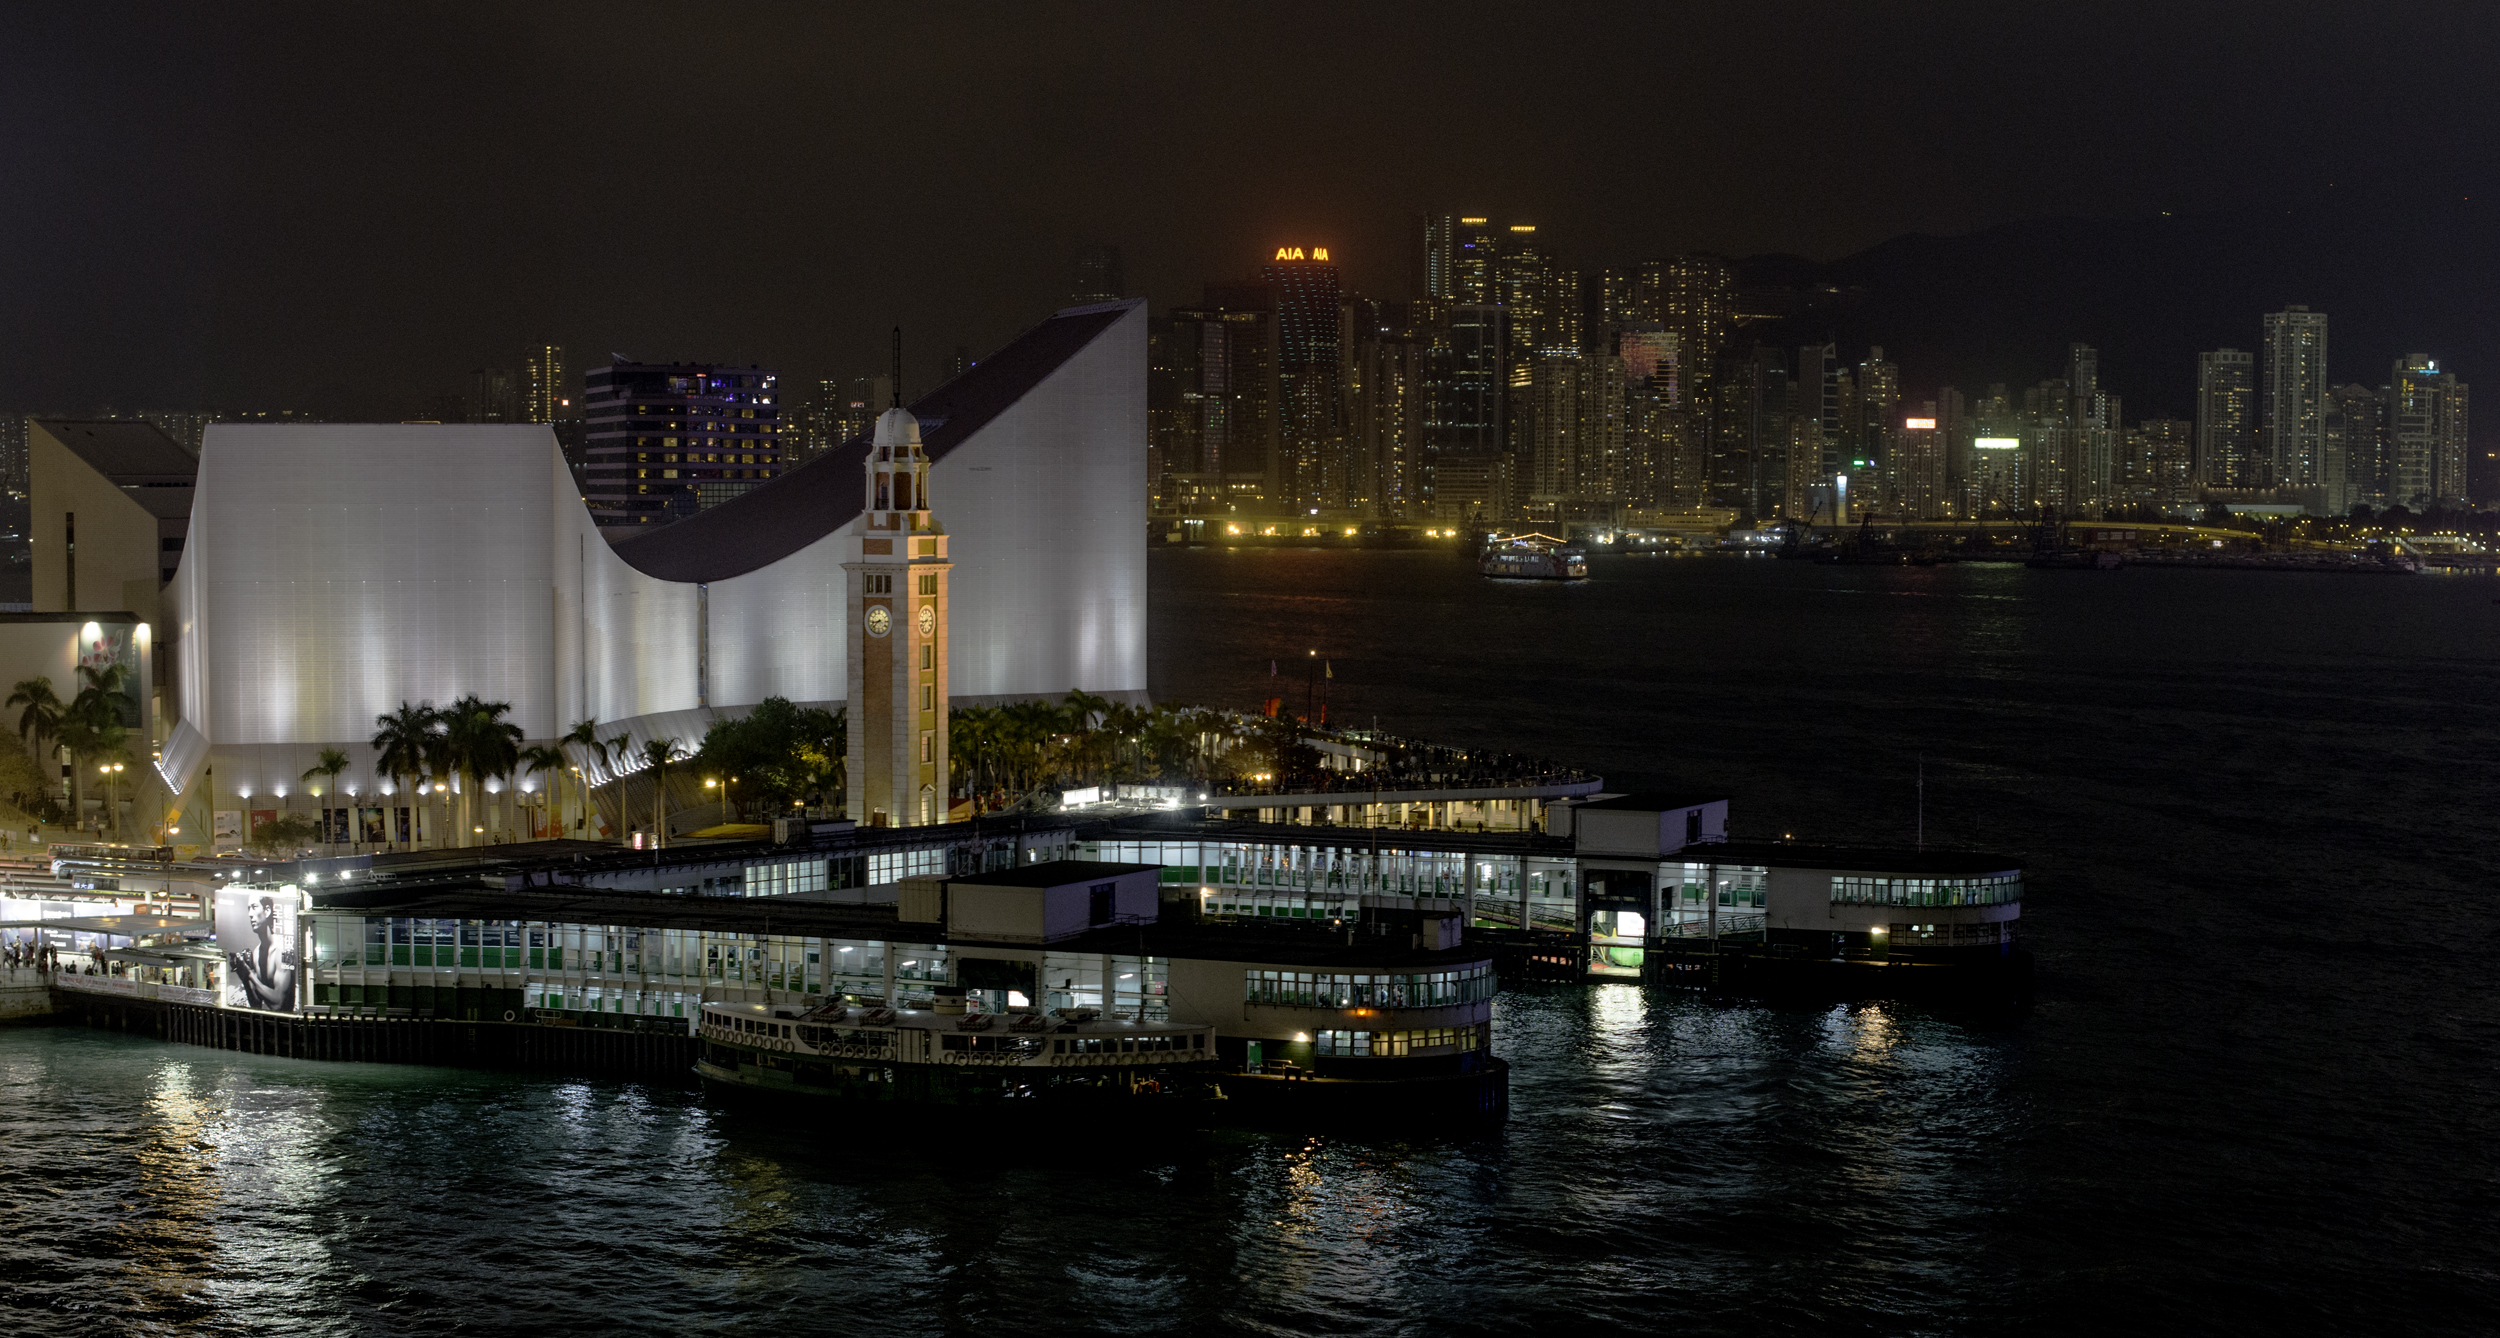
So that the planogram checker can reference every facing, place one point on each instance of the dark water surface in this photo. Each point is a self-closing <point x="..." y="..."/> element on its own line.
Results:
<point x="2259" y="1092"/>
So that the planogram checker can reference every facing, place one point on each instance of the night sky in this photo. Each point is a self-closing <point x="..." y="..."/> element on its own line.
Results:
<point x="338" y="210"/>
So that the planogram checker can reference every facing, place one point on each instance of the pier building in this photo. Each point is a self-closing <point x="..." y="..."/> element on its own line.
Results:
<point x="1133" y="954"/>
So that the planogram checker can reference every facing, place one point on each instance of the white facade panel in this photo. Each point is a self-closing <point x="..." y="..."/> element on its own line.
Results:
<point x="1045" y="507"/>
<point x="341" y="570"/>
<point x="333" y="572"/>
<point x="778" y="632"/>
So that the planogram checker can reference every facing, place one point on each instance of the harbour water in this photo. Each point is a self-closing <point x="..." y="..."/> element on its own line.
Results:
<point x="2256" y="1092"/>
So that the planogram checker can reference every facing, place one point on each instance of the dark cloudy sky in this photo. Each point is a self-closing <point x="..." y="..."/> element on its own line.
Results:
<point x="342" y="208"/>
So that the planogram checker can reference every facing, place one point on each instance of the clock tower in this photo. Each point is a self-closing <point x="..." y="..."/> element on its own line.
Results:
<point x="895" y="568"/>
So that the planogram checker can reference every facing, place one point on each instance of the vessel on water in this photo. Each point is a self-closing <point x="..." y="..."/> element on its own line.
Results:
<point x="1533" y="557"/>
<point x="948" y="1056"/>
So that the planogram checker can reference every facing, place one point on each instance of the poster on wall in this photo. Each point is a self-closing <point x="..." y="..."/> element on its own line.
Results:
<point x="229" y="825"/>
<point x="256" y="935"/>
<point x="103" y="645"/>
<point x="369" y="826"/>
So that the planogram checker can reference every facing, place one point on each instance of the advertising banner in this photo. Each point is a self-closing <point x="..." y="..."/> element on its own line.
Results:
<point x="229" y="825"/>
<point x="256" y="934"/>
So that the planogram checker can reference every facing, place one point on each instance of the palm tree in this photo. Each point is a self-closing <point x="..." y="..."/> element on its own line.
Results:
<point x="544" y="760"/>
<point x="612" y="755"/>
<point x="92" y="727"/>
<point x="586" y="734"/>
<point x="331" y="764"/>
<point x="40" y="722"/>
<point x="478" y="743"/>
<point x="405" y="739"/>
<point x="657" y="754"/>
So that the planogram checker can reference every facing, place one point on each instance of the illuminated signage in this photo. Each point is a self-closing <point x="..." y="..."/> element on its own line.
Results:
<point x="1916" y="424"/>
<point x="1471" y="220"/>
<point x="1997" y="443"/>
<point x="1523" y="227"/>
<point x="1296" y="253"/>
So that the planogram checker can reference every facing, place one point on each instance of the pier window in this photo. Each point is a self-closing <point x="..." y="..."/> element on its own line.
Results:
<point x="777" y="880"/>
<point x="896" y="865"/>
<point x="1419" y="989"/>
<point x="377" y="940"/>
<point x="1985" y="890"/>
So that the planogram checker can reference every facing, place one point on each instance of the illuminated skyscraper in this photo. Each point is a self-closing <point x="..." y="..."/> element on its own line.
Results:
<point x="549" y="398"/>
<point x="2291" y="399"/>
<point x="2426" y="435"/>
<point x="1225" y="350"/>
<point x="1543" y="297"/>
<point x="1916" y="468"/>
<point x="2160" y="462"/>
<point x="669" y="439"/>
<point x="1695" y="297"/>
<point x="2226" y="423"/>
<point x="1389" y="404"/>
<point x="1309" y="372"/>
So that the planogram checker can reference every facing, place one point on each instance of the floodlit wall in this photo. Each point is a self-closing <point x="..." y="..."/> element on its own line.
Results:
<point x="1044" y="508"/>
<point x="335" y="571"/>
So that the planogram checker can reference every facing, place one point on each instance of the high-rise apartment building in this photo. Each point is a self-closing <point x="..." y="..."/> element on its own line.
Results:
<point x="1918" y="469"/>
<point x="2159" y="465"/>
<point x="1556" y="383"/>
<point x="1542" y="296"/>
<point x="497" y="395"/>
<point x="1695" y="297"/>
<point x="1878" y="404"/>
<point x="664" y="440"/>
<point x="2426" y="418"/>
<point x="2291" y="400"/>
<point x="2356" y="434"/>
<point x="1223" y="354"/>
<point x="548" y="393"/>
<point x="1608" y="305"/>
<point x="1749" y="433"/>
<point x="2226" y="420"/>
<point x="1389" y="397"/>
<point x="1454" y="259"/>
<point x="1098" y="276"/>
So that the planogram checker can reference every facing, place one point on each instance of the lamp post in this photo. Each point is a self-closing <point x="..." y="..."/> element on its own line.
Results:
<point x="112" y="793"/>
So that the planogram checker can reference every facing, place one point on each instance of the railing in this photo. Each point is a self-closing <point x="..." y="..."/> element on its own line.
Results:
<point x="1739" y="922"/>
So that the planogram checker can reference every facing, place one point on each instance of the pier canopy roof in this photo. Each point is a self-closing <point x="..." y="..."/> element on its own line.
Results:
<point x="1907" y="860"/>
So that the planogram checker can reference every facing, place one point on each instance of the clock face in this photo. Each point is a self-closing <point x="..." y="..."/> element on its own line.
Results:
<point x="928" y="620"/>
<point x="880" y="622"/>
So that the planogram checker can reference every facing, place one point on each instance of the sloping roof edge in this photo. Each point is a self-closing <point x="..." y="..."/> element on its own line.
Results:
<point x="762" y="527"/>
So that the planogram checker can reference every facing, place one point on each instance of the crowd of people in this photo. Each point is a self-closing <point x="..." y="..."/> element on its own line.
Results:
<point x="40" y="956"/>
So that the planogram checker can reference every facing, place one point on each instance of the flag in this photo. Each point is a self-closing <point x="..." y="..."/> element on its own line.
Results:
<point x="1328" y="669"/>
<point x="1271" y="668"/>
<point x="1274" y="704"/>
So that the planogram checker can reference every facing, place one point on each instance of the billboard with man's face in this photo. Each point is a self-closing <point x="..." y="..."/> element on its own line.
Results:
<point x="256" y="936"/>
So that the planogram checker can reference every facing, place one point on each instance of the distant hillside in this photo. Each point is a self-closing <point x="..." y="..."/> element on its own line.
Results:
<point x="2151" y="293"/>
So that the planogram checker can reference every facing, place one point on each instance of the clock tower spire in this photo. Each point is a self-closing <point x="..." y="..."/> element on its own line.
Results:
<point x="896" y="571"/>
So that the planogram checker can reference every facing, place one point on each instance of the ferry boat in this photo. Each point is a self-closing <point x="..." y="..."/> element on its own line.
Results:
<point x="947" y="1056"/>
<point x="1533" y="557"/>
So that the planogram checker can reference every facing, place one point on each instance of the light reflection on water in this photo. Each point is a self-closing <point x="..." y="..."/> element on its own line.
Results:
<point x="2249" y="1099"/>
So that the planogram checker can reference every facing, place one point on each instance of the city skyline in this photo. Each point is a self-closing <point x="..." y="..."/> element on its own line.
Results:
<point x="201" y="264"/>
